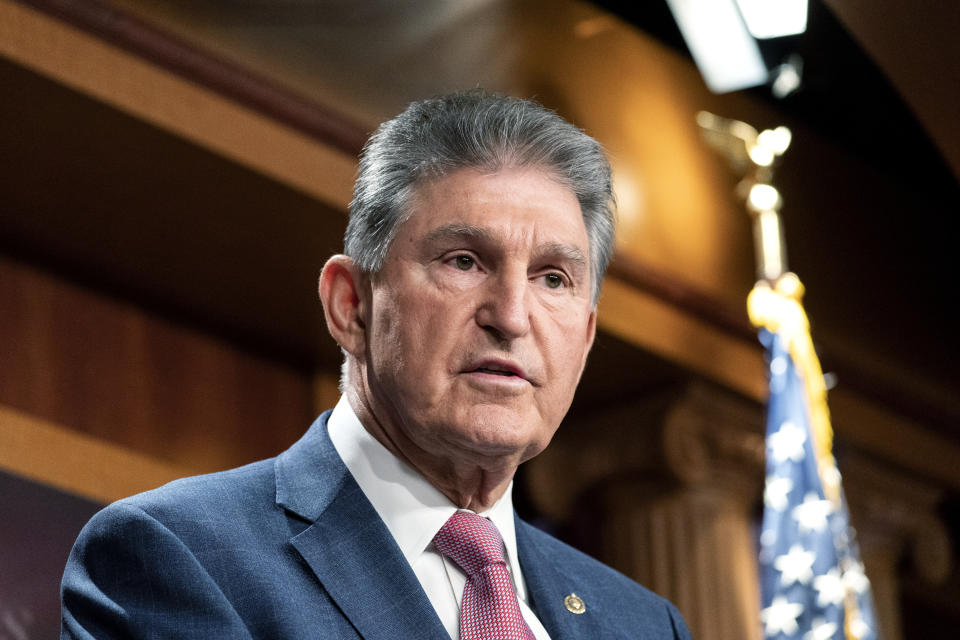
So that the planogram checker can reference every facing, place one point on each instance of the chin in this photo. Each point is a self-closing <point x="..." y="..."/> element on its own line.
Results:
<point x="500" y="431"/>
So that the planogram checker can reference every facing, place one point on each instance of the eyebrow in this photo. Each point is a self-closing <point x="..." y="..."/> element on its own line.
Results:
<point x="457" y="232"/>
<point x="568" y="252"/>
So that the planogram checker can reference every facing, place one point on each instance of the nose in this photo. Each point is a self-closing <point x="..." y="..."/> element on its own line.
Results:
<point x="505" y="308"/>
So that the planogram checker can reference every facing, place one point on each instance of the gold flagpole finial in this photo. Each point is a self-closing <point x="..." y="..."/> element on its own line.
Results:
<point x="753" y="155"/>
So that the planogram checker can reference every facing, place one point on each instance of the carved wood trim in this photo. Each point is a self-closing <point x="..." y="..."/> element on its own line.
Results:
<point x="238" y="84"/>
<point x="89" y="467"/>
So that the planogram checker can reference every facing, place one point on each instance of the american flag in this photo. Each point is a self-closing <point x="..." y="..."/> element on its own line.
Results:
<point x="812" y="582"/>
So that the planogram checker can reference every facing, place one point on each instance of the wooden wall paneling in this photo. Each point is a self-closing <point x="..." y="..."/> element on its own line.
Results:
<point x="114" y="372"/>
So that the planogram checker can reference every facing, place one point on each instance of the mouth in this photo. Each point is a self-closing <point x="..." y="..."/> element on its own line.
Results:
<point x="498" y="369"/>
<point x="496" y="372"/>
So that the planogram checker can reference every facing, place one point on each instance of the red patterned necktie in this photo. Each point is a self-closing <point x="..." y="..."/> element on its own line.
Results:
<point x="489" y="609"/>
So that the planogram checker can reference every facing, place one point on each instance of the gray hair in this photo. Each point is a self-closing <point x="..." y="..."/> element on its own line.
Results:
<point x="480" y="130"/>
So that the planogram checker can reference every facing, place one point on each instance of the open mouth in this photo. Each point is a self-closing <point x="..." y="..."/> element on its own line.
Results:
<point x="506" y="370"/>
<point x="496" y="372"/>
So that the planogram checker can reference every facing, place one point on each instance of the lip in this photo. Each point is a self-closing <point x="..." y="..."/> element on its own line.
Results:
<point x="487" y="368"/>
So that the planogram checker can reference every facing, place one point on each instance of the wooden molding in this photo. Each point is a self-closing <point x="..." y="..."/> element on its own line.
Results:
<point x="244" y="133"/>
<point x="650" y="322"/>
<point x="62" y="458"/>
<point x="236" y="83"/>
<point x="678" y="293"/>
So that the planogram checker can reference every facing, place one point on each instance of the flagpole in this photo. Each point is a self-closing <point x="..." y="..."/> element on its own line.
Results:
<point x="775" y="306"/>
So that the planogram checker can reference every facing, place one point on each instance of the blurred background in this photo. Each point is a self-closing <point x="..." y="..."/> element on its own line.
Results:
<point x="173" y="175"/>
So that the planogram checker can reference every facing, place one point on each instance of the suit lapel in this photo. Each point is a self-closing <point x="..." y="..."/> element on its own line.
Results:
<point x="548" y="586"/>
<point x="347" y="545"/>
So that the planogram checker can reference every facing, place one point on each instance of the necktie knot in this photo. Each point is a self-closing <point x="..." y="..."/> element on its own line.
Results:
<point x="471" y="541"/>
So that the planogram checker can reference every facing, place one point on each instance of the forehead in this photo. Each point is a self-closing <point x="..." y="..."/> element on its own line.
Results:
<point x="521" y="204"/>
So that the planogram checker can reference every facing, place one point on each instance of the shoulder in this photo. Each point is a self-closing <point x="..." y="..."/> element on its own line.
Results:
<point x="179" y="513"/>
<point x="222" y="490"/>
<point x="184" y="545"/>
<point x="236" y="503"/>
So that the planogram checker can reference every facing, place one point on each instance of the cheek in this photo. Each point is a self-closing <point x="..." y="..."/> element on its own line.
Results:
<point x="386" y="339"/>
<point x="569" y="340"/>
<point x="405" y="336"/>
<point x="564" y="358"/>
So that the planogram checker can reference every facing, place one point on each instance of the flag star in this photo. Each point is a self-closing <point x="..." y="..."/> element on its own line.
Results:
<point x="812" y="514"/>
<point x="821" y="630"/>
<point x="778" y="366"/>
<point x="795" y="566"/>
<point x="830" y="588"/>
<point x="775" y="493"/>
<point x="787" y="443"/>
<point x="781" y="617"/>
<point x="854" y="578"/>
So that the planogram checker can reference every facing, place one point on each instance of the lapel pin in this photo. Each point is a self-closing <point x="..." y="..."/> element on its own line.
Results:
<point x="574" y="604"/>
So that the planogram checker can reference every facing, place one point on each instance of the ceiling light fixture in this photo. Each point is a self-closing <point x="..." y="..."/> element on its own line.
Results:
<point x="721" y="46"/>
<point x="774" y="18"/>
<point x="722" y="38"/>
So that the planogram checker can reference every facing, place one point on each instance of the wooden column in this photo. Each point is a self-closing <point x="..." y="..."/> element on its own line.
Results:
<point x="670" y="483"/>
<point x="896" y="520"/>
<point x="693" y="546"/>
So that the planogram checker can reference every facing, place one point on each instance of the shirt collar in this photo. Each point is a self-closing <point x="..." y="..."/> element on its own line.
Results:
<point x="412" y="508"/>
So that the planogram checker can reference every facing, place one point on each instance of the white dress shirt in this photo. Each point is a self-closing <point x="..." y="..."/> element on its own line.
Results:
<point x="414" y="511"/>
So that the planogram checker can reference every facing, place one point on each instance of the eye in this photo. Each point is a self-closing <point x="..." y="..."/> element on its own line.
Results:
<point x="464" y="263"/>
<point x="553" y="280"/>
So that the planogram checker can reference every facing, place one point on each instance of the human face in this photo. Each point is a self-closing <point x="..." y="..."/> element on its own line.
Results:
<point x="481" y="318"/>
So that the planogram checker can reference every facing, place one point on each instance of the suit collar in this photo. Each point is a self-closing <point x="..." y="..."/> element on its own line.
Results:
<point x="310" y="473"/>
<point x="548" y="586"/>
<point x="347" y="545"/>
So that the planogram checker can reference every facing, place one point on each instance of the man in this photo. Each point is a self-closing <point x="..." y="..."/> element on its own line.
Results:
<point x="465" y="306"/>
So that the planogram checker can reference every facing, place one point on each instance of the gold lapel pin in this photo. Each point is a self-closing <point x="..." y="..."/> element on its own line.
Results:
<point x="575" y="604"/>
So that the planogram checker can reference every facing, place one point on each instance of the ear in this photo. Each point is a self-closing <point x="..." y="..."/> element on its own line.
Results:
<point x="344" y="291"/>
<point x="591" y="334"/>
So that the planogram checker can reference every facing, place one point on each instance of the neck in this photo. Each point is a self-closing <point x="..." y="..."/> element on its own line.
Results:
<point x="469" y="480"/>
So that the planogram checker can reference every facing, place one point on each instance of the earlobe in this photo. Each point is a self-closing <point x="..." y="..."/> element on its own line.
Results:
<point x="342" y="291"/>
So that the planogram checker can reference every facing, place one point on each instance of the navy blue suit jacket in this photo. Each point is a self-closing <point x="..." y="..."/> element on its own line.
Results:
<point x="291" y="548"/>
